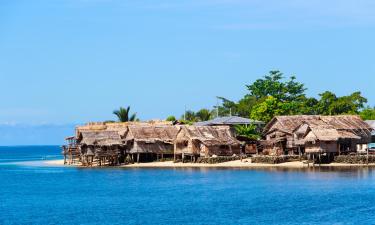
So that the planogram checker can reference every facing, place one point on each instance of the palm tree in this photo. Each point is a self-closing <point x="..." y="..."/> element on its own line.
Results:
<point x="123" y="114"/>
<point x="203" y="115"/>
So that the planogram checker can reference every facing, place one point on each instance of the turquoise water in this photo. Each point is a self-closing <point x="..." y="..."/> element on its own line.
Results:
<point x="31" y="193"/>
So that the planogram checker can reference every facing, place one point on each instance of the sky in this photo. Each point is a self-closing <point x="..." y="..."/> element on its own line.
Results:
<point x="67" y="62"/>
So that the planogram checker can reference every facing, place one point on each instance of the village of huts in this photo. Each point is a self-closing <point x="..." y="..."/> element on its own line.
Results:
<point x="302" y="137"/>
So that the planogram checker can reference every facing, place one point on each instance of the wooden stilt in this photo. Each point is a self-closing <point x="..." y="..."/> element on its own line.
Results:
<point x="313" y="160"/>
<point x="137" y="157"/>
<point x="320" y="158"/>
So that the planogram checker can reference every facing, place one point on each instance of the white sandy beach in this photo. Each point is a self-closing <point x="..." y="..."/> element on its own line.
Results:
<point x="232" y="164"/>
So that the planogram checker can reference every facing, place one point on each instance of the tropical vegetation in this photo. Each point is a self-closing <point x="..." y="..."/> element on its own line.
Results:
<point x="273" y="95"/>
<point x="123" y="114"/>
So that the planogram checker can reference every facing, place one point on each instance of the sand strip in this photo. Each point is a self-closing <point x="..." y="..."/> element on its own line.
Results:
<point x="231" y="164"/>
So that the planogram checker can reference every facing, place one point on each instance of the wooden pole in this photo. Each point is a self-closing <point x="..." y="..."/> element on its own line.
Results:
<point x="320" y="158"/>
<point x="314" y="160"/>
<point x="138" y="157"/>
<point x="367" y="155"/>
<point x="174" y="152"/>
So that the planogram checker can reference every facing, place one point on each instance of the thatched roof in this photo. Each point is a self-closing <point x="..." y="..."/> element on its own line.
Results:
<point x="117" y="133"/>
<point x="346" y="122"/>
<point x="152" y="133"/>
<point x="118" y="125"/>
<point x="102" y="137"/>
<point x="343" y="122"/>
<point x="332" y="128"/>
<point x="329" y="134"/>
<point x="209" y="136"/>
<point x="121" y="133"/>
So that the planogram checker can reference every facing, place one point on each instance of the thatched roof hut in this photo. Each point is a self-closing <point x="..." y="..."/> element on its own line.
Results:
<point x="291" y="132"/>
<point x="341" y="122"/>
<point x="111" y="133"/>
<point x="101" y="137"/>
<point x="206" y="141"/>
<point x="151" y="139"/>
<point x="116" y="140"/>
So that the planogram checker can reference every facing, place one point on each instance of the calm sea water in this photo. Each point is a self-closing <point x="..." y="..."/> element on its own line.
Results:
<point x="32" y="193"/>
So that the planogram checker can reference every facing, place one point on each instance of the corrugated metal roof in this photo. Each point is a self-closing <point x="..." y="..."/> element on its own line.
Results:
<point x="229" y="120"/>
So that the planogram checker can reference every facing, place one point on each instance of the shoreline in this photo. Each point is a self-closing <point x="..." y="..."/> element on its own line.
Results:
<point x="231" y="164"/>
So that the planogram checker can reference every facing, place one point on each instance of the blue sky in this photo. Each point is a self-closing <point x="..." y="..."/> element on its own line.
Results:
<point x="66" y="62"/>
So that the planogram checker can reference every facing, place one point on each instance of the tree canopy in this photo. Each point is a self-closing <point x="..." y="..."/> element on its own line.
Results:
<point x="274" y="95"/>
<point x="368" y="113"/>
<point x="171" y="118"/>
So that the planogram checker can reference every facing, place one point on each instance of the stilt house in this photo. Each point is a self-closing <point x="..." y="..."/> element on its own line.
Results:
<point x="150" y="142"/>
<point x="206" y="141"/>
<point x="316" y="135"/>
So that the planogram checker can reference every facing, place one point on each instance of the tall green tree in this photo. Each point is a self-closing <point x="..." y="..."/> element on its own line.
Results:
<point x="275" y="96"/>
<point x="226" y="107"/>
<point x="368" y="114"/>
<point x="189" y="116"/>
<point x="308" y="106"/>
<point x="203" y="115"/>
<point x="267" y="109"/>
<point x="123" y="114"/>
<point x="330" y="104"/>
<point x="273" y="85"/>
<point x="249" y="131"/>
<point x="241" y="108"/>
<point x="269" y="96"/>
<point x="245" y="106"/>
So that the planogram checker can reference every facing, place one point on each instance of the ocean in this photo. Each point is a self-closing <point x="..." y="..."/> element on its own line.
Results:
<point x="33" y="193"/>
